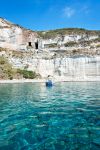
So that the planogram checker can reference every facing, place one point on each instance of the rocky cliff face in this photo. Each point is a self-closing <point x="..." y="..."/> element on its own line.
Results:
<point x="66" y="54"/>
<point x="66" y="68"/>
<point x="15" y="37"/>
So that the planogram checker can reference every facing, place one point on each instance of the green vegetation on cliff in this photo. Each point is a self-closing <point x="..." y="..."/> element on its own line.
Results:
<point x="54" y="33"/>
<point x="8" y="72"/>
<point x="27" y="74"/>
<point x="70" y="44"/>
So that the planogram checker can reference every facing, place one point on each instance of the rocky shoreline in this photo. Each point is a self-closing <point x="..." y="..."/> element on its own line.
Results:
<point x="63" y="79"/>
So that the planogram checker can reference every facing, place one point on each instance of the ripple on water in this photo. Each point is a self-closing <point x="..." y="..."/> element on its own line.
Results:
<point x="65" y="117"/>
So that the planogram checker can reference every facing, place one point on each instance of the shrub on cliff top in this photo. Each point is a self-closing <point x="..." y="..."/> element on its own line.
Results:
<point x="54" y="33"/>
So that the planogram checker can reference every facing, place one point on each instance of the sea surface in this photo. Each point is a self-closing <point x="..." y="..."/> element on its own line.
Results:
<point x="64" y="117"/>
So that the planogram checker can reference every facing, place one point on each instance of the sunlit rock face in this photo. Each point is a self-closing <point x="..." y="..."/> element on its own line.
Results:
<point x="70" y="68"/>
<point x="60" y="43"/>
<point x="80" y="59"/>
<point x="15" y="37"/>
<point x="67" y="68"/>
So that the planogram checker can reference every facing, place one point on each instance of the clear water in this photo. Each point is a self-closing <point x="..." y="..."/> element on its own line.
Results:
<point x="64" y="117"/>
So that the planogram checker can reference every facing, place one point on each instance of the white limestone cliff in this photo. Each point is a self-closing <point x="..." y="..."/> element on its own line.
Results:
<point x="79" y="62"/>
<point x="15" y="37"/>
<point x="67" y="68"/>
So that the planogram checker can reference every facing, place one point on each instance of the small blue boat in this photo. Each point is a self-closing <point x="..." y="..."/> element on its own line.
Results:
<point x="49" y="83"/>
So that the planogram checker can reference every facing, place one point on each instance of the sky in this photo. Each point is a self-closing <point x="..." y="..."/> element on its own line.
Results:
<point x="52" y="14"/>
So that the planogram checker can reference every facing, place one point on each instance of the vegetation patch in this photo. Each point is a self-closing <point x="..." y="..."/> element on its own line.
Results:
<point x="96" y="40"/>
<point x="65" y="31"/>
<point x="27" y="74"/>
<point x="52" y="45"/>
<point x="8" y="72"/>
<point x="70" y="44"/>
<point x="98" y="45"/>
<point x="2" y="49"/>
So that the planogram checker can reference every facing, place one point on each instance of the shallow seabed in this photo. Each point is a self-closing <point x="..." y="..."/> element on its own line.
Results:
<point x="64" y="117"/>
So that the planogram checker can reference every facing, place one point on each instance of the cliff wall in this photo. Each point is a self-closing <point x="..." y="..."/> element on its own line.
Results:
<point x="65" y="54"/>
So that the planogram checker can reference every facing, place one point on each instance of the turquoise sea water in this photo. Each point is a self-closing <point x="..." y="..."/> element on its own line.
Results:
<point x="64" y="117"/>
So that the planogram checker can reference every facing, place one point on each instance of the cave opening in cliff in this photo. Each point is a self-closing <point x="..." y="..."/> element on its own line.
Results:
<point x="36" y="45"/>
<point x="29" y="43"/>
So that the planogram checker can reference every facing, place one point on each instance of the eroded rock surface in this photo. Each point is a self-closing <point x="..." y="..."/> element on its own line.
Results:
<point x="66" y="54"/>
